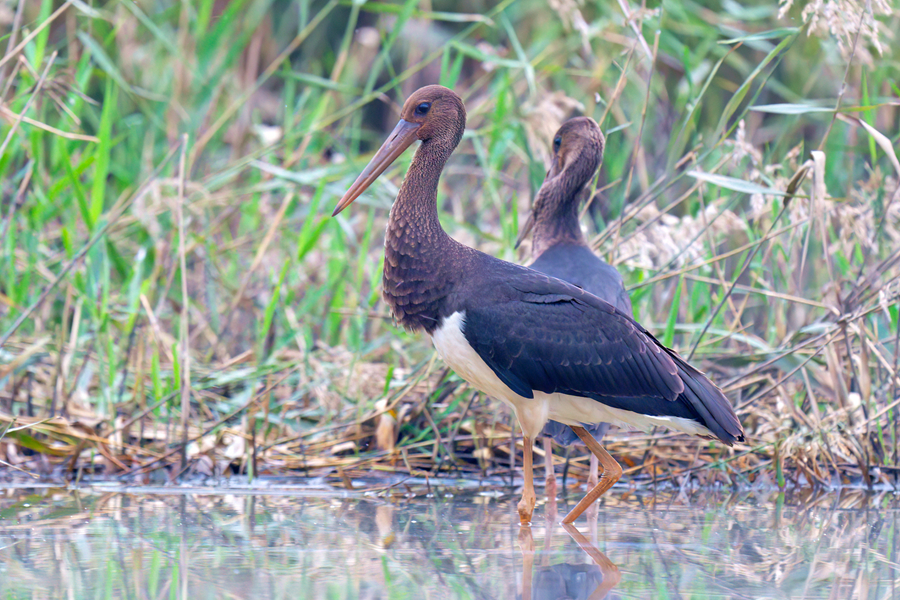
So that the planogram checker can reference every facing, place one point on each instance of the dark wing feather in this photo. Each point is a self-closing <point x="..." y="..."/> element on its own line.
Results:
<point x="539" y="333"/>
<point x="709" y="402"/>
<point x="577" y="265"/>
<point x="559" y="343"/>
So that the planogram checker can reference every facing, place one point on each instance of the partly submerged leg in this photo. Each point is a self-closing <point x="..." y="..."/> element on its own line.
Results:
<point x="610" y="471"/>
<point x="526" y="504"/>
<point x="549" y="476"/>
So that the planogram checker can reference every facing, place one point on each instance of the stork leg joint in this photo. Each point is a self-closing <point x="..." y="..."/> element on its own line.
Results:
<point x="610" y="471"/>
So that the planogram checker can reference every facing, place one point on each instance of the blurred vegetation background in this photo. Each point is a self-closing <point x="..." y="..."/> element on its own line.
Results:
<point x="174" y="296"/>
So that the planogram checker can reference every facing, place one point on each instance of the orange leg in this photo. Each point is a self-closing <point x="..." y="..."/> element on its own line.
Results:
<point x="549" y="476"/>
<point x="526" y="504"/>
<point x="610" y="471"/>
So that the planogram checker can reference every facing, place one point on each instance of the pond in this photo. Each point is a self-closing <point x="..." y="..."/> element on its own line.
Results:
<point x="282" y="539"/>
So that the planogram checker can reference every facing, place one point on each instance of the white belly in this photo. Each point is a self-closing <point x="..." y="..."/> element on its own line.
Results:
<point x="533" y="413"/>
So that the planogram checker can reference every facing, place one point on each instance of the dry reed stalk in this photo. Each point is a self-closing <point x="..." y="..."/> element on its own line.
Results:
<point x="184" y="352"/>
<point x="18" y="118"/>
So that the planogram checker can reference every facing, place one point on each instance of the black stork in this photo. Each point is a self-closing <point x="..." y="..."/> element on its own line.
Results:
<point x="560" y="249"/>
<point x="547" y="348"/>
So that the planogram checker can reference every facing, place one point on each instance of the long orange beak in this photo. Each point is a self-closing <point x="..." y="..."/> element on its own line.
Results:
<point x="401" y="138"/>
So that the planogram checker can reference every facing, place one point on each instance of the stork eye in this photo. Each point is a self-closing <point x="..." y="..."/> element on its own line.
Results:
<point x="556" y="143"/>
<point x="422" y="109"/>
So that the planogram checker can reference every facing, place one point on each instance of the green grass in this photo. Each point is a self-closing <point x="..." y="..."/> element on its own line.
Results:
<point x="273" y="107"/>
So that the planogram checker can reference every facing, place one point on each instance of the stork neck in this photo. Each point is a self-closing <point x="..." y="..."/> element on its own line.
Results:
<point x="414" y="216"/>
<point x="556" y="216"/>
<point x="422" y="264"/>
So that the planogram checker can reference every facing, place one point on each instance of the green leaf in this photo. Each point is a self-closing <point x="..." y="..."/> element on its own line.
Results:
<point x="135" y="285"/>
<point x="72" y="176"/>
<point x="270" y="308"/>
<point x="520" y="52"/>
<point x="123" y="268"/>
<point x="677" y="147"/>
<point x="101" y="158"/>
<point x="762" y="35"/>
<point x="40" y="42"/>
<point x="204" y="13"/>
<point x="738" y="185"/>
<point x="311" y="229"/>
<point x="103" y="60"/>
<point x="26" y="440"/>
<point x="155" y="30"/>
<point x="430" y="15"/>
<point x="307" y="177"/>
<point x="317" y="81"/>
<point x="156" y="375"/>
<point x="669" y="334"/>
<point x="741" y="93"/>
<point x="477" y="54"/>
<point x="66" y="237"/>
<point x="790" y="109"/>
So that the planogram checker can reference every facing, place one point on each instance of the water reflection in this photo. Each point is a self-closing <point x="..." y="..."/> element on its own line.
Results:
<point x="542" y="580"/>
<point x="96" y="542"/>
<point x="546" y="581"/>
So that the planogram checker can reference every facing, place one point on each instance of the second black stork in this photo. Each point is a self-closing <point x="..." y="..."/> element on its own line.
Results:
<point x="560" y="249"/>
<point x="547" y="348"/>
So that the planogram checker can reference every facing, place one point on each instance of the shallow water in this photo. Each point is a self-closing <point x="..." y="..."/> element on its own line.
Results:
<point x="289" y="542"/>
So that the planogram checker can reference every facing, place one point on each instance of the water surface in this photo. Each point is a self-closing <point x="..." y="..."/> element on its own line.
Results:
<point x="284" y="541"/>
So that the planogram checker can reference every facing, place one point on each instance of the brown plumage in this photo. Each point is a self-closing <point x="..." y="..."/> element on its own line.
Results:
<point x="559" y="247"/>
<point x="577" y="153"/>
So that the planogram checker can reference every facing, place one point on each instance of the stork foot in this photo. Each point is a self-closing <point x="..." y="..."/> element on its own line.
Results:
<point x="526" y="506"/>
